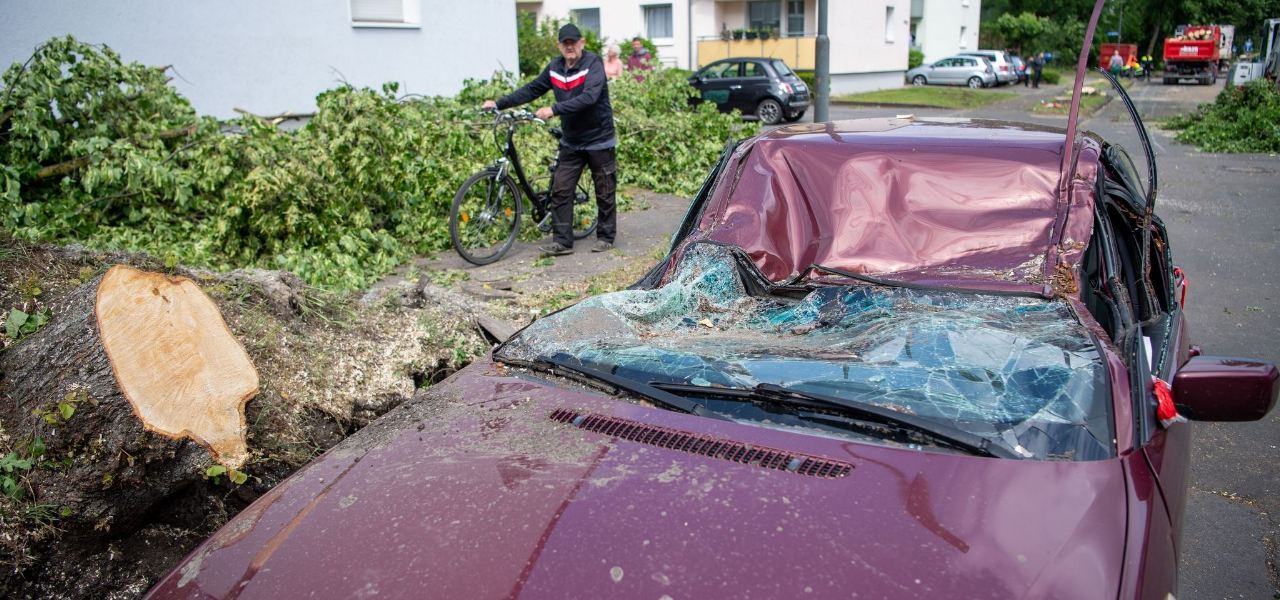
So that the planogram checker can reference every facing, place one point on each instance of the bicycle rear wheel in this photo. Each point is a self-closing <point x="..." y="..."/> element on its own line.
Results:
<point x="584" y="211"/>
<point x="485" y="217"/>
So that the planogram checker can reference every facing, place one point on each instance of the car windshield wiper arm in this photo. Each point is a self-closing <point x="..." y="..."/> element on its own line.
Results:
<point x="768" y="392"/>
<point x="945" y="433"/>
<point x="665" y="399"/>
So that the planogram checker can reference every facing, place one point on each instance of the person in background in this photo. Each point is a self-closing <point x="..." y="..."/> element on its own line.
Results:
<point x="1147" y="62"/>
<point x="640" y="59"/>
<point x="1037" y="68"/>
<point x="590" y="140"/>
<point x="1117" y="63"/>
<point x="612" y="64"/>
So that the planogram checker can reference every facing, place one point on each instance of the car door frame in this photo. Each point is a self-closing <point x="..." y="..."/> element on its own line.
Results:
<point x="718" y="84"/>
<point x="752" y="89"/>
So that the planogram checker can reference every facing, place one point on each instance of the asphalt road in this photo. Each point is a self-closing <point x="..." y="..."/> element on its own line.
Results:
<point x="1223" y="219"/>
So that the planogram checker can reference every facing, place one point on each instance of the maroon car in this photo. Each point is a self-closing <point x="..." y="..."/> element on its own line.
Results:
<point x="886" y="358"/>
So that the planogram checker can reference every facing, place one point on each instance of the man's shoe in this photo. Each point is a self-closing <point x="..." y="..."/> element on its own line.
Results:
<point x="602" y="246"/>
<point x="554" y="249"/>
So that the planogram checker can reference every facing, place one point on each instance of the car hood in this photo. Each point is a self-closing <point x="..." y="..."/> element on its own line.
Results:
<point x="503" y="484"/>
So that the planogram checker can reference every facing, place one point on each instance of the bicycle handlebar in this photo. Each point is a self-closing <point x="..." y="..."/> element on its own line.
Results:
<point x="513" y="115"/>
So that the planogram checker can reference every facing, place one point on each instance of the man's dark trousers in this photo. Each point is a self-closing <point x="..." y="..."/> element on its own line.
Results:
<point x="604" y="172"/>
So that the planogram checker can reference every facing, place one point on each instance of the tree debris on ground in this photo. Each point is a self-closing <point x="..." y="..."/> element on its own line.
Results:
<point x="100" y="505"/>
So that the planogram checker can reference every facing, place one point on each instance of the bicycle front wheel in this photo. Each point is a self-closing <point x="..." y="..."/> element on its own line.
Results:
<point x="485" y="217"/>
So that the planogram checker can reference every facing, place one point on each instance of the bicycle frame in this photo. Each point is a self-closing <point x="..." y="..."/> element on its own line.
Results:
<point x="511" y="158"/>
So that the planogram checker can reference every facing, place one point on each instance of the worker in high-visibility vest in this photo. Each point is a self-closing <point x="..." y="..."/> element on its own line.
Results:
<point x="1147" y="62"/>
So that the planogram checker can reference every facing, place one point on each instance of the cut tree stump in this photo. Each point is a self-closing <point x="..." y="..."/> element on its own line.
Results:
<point x="156" y="385"/>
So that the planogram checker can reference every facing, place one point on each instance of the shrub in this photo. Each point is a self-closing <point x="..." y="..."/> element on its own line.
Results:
<point x="810" y="79"/>
<point x="1241" y="119"/>
<point x="536" y="43"/>
<point x="103" y="152"/>
<point x="1051" y="76"/>
<point x="915" y="58"/>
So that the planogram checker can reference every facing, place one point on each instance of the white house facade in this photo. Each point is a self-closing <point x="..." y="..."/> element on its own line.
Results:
<point x="274" y="57"/>
<point x="869" y="39"/>
<point x="940" y="28"/>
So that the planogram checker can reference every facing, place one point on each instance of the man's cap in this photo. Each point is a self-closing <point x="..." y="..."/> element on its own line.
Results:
<point x="570" y="32"/>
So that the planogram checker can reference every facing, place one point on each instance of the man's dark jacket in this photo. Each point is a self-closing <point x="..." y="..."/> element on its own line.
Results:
<point x="582" y="101"/>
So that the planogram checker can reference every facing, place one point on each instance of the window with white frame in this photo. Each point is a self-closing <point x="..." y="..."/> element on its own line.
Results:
<point x="385" y="13"/>
<point x="657" y="21"/>
<point x="888" y="24"/>
<point x="795" y="18"/>
<point x="586" y="18"/>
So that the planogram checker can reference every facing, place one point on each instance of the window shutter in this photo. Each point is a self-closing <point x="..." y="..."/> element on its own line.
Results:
<point x="378" y="11"/>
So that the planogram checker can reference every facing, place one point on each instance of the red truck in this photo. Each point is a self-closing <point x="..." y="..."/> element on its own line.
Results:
<point x="1194" y="54"/>
<point x="1109" y="48"/>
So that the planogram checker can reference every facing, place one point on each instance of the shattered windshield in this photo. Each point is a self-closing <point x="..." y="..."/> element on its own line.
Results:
<point x="1022" y="372"/>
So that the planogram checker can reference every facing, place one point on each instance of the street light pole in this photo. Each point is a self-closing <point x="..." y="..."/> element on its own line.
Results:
<point x="822" y="50"/>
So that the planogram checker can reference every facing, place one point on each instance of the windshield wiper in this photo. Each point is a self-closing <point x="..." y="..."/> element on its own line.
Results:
<point x="563" y="365"/>
<point x="768" y="392"/>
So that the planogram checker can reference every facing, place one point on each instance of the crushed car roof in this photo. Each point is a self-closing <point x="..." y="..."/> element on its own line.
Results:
<point x="948" y="202"/>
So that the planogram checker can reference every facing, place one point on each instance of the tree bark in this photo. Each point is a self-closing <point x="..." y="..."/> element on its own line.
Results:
<point x="106" y="465"/>
<point x="65" y="167"/>
<point x="1155" y="36"/>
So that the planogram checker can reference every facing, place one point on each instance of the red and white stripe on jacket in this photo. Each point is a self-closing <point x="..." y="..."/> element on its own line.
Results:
<point x="570" y="82"/>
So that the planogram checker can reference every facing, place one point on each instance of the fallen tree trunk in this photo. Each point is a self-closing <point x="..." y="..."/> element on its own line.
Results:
<point x="133" y="390"/>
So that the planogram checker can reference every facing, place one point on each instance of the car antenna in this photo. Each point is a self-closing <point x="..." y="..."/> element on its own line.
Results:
<point x="1082" y="67"/>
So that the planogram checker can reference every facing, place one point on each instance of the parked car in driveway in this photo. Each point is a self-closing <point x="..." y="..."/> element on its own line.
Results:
<point x="1000" y="61"/>
<point x="890" y="358"/>
<point x="973" y="71"/>
<point x="764" y="87"/>
<point x="1019" y="68"/>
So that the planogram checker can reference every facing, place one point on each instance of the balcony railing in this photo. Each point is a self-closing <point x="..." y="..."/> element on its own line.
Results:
<point x="798" y="52"/>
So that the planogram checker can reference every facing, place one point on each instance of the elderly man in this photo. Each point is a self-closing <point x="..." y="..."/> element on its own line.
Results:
<point x="582" y="103"/>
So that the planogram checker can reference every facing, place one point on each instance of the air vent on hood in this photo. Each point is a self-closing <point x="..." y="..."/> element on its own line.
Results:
<point x="692" y="443"/>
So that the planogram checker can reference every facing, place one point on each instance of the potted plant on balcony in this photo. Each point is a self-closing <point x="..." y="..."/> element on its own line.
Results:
<point x="752" y="34"/>
<point x="738" y="33"/>
<point x="766" y="34"/>
<point x="725" y="35"/>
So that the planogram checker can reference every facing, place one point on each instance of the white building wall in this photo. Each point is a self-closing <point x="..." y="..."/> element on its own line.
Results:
<point x="947" y="27"/>
<point x="273" y="57"/>
<point x="621" y="20"/>
<point x="868" y="46"/>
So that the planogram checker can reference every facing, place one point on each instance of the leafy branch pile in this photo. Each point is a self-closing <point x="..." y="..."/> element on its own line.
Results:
<point x="1241" y="119"/>
<point x="103" y="152"/>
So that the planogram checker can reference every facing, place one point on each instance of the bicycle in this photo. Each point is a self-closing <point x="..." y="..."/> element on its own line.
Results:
<point x="484" y="220"/>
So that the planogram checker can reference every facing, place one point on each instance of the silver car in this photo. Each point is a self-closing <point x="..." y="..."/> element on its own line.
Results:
<point x="973" y="71"/>
<point x="1000" y="61"/>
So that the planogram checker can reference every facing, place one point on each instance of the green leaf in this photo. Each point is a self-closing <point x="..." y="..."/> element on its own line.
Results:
<point x="66" y="409"/>
<point x="238" y="477"/>
<point x="215" y="471"/>
<point x="64" y="512"/>
<point x="10" y="487"/>
<point x="37" y="447"/>
<point x="13" y="324"/>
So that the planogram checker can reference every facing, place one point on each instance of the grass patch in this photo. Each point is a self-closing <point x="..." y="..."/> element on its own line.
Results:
<point x="929" y="97"/>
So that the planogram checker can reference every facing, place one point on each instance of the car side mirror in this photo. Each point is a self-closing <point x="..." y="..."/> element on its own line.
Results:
<point x="1218" y="388"/>
<point x="695" y="80"/>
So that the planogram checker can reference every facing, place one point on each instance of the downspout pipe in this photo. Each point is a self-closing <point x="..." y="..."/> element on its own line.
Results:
<point x="822" y="50"/>
<point x="688" y="26"/>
